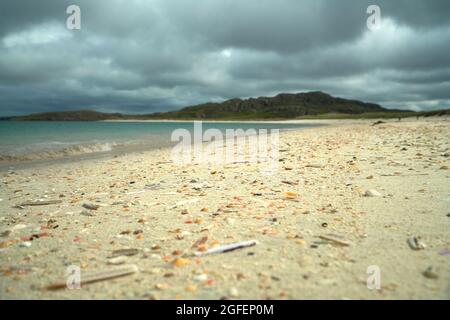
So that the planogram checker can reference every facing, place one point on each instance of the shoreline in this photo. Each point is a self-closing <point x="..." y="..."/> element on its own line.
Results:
<point x="141" y="148"/>
<point x="53" y="158"/>
<point x="160" y="212"/>
<point x="42" y="160"/>
<point x="234" y="121"/>
<point x="298" y="121"/>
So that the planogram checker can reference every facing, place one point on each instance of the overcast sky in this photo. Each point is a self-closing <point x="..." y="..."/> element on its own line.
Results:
<point x="141" y="56"/>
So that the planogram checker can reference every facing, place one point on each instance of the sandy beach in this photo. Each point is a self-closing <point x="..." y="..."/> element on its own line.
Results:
<point x="347" y="197"/>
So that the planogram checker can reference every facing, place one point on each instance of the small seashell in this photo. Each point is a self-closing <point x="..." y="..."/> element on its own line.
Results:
<point x="201" y="277"/>
<point x="233" y="292"/>
<point x="372" y="193"/>
<point x="90" y="206"/>
<point x="290" y="195"/>
<point x="6" y="233"/>
<point x="198" y="220"/>
<point x="180" y="262"/>
<point x="191" y="288"/>
<point x="416" y="244"/>
<point x="25" y="244"/>
<point x="156" y="247"/>
<point x="162" y="286"/>
<point x="143" y="221"/>
<point x="177" y="252"/>
<point x="18" y="227"/>
<point x="230" y="220"/>
<point x="117" y="260"/>
<point x="87" y="213"/>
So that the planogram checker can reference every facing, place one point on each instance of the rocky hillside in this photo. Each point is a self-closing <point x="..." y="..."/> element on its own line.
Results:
<point x="80" y="115"/>
<point x="283" y="105"/>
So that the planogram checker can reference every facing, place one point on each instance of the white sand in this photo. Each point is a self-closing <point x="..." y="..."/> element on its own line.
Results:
<point x="330" y="168"/>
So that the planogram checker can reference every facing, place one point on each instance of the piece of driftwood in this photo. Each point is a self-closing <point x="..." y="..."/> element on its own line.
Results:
<point x="95" y="276"/>
<point x="39" y="203"/>
<point x="153" y="186"/>
<point x="227" y="248"/>
<point x="335" y="240"/>
<point x="405" y="175"/>
<point x="317" y="166"/>
<point x="184" y="202"/>
<point x="164" y="162"/>
<point x="124" y="252"/>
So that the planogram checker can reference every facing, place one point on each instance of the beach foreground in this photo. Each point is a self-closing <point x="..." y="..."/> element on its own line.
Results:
<point x="347" y="199"/>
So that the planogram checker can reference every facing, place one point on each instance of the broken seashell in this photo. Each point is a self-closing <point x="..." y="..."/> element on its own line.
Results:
<point x="372" y="193"/>
<point x="290" y="195"/>
<point x="180" y="262"/>
<point x="416" y="244"/>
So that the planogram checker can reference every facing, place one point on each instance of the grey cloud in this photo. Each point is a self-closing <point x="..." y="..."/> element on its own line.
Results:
<point x="143" y="56"/>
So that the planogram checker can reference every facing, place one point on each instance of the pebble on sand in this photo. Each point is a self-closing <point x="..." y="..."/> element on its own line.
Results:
<point x="25" y="244"/>
<point x="233" y="292"/>
<point x="372" y="193"/>
<point x="87" y="213"/>
<point x="430" y="273"/>
<point x="90" y="206"/>
<point x="416" y="243"/>
<point x="180" y="262"/>
<point x="201" y="277"/>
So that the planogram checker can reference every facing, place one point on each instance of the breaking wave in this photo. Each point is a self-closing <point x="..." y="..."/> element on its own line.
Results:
<point x="55" y="149"/>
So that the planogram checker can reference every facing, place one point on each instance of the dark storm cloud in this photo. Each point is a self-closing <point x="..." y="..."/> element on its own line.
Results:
<point x="143" y="56"/>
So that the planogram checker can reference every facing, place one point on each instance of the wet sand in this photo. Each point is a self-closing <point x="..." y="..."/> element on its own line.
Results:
<point x="168" y="212"/>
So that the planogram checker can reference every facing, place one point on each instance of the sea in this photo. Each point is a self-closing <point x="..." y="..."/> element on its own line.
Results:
<point x="41" y="140"/>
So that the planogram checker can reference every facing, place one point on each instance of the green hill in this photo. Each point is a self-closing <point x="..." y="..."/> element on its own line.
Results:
<point x="309" y="105"/>
<point x="79" y="115"/>
<point x="282" y="106"/>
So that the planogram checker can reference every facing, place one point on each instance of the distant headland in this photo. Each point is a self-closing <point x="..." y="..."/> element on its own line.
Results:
<point x="284" y="106"/>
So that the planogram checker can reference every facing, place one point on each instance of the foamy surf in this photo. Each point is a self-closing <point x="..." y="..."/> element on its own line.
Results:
<point x="54" y="150"/>
<point x="22" y="141"/>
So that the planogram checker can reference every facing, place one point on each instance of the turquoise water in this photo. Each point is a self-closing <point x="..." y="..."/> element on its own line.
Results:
<point x="48" y="139"/>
